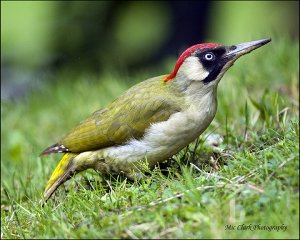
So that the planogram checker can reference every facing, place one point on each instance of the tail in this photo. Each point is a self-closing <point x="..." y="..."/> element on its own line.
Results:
<point x="62" y="173"/>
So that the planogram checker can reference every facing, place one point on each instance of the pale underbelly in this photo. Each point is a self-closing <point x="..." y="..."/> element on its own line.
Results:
<point x="161" y="141"/>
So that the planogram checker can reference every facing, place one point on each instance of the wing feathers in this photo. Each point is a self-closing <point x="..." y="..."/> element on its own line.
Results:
<point x="56" y="148"/>
<point x="127" y="117"/>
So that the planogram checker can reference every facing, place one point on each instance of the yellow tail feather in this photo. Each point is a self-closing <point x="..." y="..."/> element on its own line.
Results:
<point x="60" y="174"/>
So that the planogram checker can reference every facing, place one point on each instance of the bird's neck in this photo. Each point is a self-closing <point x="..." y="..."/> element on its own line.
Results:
<point x="203" y="102"/>
<point x="195" y="92"/>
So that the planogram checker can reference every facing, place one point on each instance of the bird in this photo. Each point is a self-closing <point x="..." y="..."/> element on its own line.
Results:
<point x="150" y="122"/>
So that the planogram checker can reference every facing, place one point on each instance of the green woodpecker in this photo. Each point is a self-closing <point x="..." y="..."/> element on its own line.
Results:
<point x="151" y="121"/>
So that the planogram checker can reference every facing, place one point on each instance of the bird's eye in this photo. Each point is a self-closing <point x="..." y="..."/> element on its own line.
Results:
<point x="209" y="56"/>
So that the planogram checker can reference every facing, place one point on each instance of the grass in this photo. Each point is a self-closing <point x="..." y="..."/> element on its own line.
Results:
<point x="249" y="180"/>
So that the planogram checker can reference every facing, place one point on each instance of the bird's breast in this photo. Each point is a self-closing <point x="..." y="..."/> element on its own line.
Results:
<point x="161" y="140"/>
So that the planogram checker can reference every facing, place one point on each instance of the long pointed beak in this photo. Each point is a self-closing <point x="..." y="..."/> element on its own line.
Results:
<point x="238" y="50"/>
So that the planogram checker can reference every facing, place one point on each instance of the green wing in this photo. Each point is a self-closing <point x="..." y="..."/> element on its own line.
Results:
<point x="114" y="125"/>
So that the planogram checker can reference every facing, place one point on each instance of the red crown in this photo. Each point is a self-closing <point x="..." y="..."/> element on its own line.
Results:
<point x="186" y="54"/>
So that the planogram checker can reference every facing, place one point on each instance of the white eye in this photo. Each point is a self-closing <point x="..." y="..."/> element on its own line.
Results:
<point x="209" y="56"/>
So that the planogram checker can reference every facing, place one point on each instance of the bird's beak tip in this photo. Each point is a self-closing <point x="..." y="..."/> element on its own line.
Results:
<point x="243" y="48"/>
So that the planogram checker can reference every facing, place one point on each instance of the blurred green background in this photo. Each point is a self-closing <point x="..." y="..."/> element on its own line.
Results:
<point x="40" y="38"/>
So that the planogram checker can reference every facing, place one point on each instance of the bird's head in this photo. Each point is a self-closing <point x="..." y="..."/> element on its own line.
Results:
<point x="203" y="65"/>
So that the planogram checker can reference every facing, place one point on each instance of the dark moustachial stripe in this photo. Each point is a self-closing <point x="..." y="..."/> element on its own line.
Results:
<point x="213" y="74"/>
<point x="213" y="67"/>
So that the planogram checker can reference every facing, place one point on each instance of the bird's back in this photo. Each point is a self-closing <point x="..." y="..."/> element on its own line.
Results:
<point x="126" y="117"/>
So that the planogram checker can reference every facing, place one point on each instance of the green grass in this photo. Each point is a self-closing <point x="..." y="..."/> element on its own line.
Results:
<point x="252" y="179"/>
